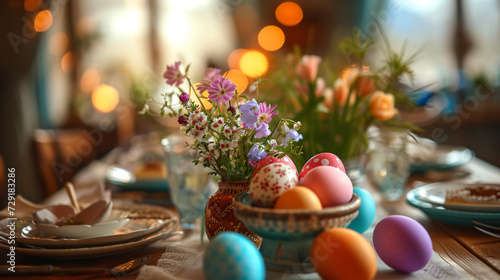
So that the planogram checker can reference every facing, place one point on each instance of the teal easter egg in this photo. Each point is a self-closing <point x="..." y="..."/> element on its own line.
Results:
<point x="231" y="256"/>
<point x="366" y="213"/>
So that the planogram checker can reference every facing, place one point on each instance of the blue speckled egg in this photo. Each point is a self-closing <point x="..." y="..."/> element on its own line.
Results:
<point x="231" y="256"/>
<point x="366" y="213"/>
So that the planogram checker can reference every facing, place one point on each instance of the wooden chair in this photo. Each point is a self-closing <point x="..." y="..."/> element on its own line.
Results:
<point x="61" y="153"/>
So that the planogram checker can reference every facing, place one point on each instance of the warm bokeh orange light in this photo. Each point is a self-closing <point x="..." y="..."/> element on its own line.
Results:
<point x="67" y="62"/>
<point x="58" y="43"/>
<point x="90" y="79"/>
<point x="32" y="5"/>
<point x="204" y="101"/>
<point x="105" y="98"/>
<point x="271" y="38"/>
<point x="43" y="21"/>
<point x="254" y="63"/>
<point x="238" y="78"/>
<point x="233" y="61"/>
<point x="289" y="13"/>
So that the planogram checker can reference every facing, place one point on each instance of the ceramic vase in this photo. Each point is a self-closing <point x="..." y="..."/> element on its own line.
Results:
<point x="219" y="213"/>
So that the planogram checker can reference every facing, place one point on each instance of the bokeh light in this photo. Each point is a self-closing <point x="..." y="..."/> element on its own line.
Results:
<point x="233" y="60"/>
<point x="43" y="21"/>
<point x="90" y="79"/>
<point x="67" y="62"/>
<point x="238" y="78"/>
<point x="58" y="43"/>
<point x="254" y="63"/>
<point x="289" y="13"/>
<point x="204" y="101"/>
<point x="271" y="38"/>
<point x="105" y="98"/>
<point x="32" y="5"/>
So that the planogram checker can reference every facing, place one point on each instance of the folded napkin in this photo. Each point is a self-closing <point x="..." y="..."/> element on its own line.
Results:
<point x="181" y="260"/>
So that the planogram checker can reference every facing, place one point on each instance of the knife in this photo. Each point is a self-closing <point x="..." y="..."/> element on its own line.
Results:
<point x="48" y="269"/>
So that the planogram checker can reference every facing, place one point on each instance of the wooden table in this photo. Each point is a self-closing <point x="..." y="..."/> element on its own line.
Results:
<point x="475" y="254"/>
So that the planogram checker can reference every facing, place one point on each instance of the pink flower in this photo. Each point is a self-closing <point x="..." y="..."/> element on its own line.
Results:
<point x="173" y="74"/>
<point x="221" y="90"/>
<point x="265" y="113"/>
<point x="211" y="74"/>
<point x="307" y="68"/>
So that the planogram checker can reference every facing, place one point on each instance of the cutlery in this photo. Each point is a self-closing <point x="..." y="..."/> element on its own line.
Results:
<point x="479" y="224"/>
<point x="48" y="269"/>
<point x="487" y="229"/>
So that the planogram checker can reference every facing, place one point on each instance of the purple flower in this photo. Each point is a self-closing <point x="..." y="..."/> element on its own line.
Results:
<point x="292" y="134"/>
<point x="221" y="90"/>
<point x="182" y="120"/>
<point x="256" y="154"/>
<point x="211" y="74"/>
<point x="248" y="114"/>
<point x="265" y="113"/>
<point x="184" y="97"/>
<point x="173" y="74"/>
<point x="262" y="130"/>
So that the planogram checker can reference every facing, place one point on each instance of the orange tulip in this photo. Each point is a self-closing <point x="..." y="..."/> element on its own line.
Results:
<point x="365" y="86"/>
<point x="307" y="68"/>
<point x="382" y="105"/>
<point x="341" y="92"/>
<point x="328" y="101"/>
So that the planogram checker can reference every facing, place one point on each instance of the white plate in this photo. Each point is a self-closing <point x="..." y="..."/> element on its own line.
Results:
<point x="94" y="252"/>
<point x="444" y="157"/>
<point x="29" y="234"/>
<point x="82" y="231"/>
<point x="435" y="194"/>
<point x="124" y="177"/>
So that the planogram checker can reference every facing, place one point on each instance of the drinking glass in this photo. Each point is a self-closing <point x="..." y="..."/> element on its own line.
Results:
<point x="390" y="164"/>
<point x="190" y="185"/>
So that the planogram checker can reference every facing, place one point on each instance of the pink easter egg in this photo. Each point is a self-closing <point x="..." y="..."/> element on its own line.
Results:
<point x="270" y="182"/>
<point x="323" y="159"/>
<point x="332" y="186"/>
<point x="269" y="159"/>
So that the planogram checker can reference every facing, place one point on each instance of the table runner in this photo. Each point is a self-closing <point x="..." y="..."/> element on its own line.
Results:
<point x="184" y="260"/>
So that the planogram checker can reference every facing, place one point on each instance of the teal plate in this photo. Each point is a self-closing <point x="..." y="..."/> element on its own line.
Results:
<point x="126" y="180"/>
<point x="455" y="217"/>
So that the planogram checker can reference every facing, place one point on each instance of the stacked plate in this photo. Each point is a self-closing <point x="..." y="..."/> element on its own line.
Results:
<point x="431" y="199"/>
<point x="140" y="228"/>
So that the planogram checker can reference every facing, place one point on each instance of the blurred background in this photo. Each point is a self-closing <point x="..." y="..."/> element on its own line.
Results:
<point x="73" y="73"/>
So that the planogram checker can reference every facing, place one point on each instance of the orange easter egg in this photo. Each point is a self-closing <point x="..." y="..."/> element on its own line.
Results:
<point x="342" y="253"/>
<point x="298" y="198"/>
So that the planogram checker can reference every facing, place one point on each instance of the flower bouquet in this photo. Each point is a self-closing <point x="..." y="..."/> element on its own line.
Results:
<point x="231" y="134"/>
<point x="339" y="118"/>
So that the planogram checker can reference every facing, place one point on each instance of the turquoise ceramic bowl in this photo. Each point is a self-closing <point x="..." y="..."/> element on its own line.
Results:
<point x="287" y="234"/>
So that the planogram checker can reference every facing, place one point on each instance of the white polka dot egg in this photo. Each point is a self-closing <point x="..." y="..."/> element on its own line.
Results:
<point x="270" y="182"/>
<point x="322" y="159"/>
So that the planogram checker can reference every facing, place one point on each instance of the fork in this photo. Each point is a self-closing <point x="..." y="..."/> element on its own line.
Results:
<point x="487" y="229"/>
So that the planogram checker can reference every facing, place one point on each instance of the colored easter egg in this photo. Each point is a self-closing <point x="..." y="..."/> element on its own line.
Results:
<point x="402" y="243"/>
<point x="231" y="256"/>
<point x="330" y="184"/>
<point x="366" y="213"/>
<point x="269" y="159"/>
<point x="323" y="159"/>
<point x="270" y="182"/>
<point x="298" y="198"/>
<point x="342" y="253"/>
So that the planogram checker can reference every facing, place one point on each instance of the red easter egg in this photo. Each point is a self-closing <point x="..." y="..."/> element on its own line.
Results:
<point x="323" y="159"/>
<point x="332" y="186"/>
<point x="269" y="160"/>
